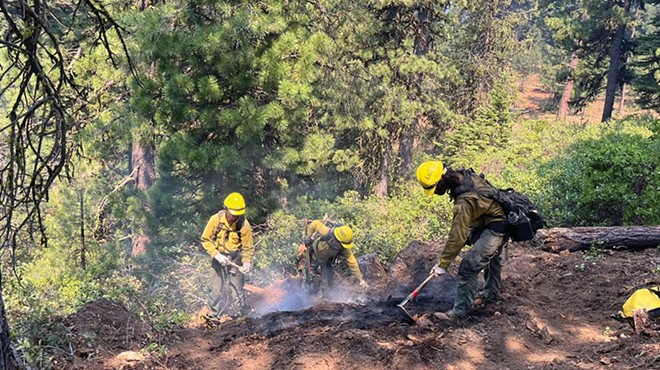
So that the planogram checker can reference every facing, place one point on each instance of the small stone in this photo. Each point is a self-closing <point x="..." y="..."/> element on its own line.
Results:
<point x="130" y="356"/>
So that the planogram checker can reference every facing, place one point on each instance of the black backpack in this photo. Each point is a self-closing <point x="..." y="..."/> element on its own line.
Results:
<point x="523" y="217"/>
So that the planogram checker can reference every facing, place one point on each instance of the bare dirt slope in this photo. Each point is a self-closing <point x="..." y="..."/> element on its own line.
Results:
<point x="555" y="314"/>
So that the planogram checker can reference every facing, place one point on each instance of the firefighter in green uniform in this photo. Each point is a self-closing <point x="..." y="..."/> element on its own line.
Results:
<point x="228" y="240"/>
<point x="323" y="245"/>
<point x="485" y="222"/>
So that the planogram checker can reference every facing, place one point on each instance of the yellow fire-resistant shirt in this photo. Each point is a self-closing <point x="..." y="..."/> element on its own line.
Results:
<point x="470" y="210"/>
<point x="227" y="240"/>
<point x="325" y="251"/>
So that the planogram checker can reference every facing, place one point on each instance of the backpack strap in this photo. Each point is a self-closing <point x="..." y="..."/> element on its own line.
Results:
<point x="239" y="225"/>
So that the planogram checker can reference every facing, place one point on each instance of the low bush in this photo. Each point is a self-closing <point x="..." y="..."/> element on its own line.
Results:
<point x="608" y="177"/>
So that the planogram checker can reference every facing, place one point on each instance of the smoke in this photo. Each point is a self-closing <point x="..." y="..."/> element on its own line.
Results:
<point x="288" y="296"/>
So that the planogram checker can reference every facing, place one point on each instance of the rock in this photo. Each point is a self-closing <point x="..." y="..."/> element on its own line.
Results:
<point x="130" y="356"/>
<point x="372" y="270"/>
<point x="545" y="335"/>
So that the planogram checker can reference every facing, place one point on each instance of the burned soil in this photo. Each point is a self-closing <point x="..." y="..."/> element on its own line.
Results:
<point x="555" y="313"/>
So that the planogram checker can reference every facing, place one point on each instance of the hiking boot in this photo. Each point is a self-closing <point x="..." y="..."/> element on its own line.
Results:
<point x="447" y="316"/>
<point x="482" y="300"/>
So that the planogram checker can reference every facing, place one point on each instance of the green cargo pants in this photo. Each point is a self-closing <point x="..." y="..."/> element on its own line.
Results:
<point x="313" y="271"/>
<point x="226" y="295"/>
<point x="484" y="255"/>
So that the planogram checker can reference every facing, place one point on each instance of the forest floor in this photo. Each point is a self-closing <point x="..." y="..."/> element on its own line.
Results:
<point x="535" y="102"/>
<point x="554" y="314"/>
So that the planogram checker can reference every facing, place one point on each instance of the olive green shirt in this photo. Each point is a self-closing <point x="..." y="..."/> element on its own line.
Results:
<point x="471" y="210"/>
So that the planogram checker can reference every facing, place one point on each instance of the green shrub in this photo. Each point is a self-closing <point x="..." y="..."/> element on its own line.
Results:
<point x="608" y="178"/>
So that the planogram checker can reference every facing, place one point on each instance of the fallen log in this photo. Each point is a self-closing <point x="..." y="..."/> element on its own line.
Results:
<point x="614" y="237"/>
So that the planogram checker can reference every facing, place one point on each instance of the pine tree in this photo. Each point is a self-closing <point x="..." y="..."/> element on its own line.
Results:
<point x="231" y="91"/>
<point x="647" y="63"/>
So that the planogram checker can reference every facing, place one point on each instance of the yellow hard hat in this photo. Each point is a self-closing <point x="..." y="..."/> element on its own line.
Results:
<point x="235" y="204"/>
<point x="345" y="236"/>
<point x="428" y="175"/>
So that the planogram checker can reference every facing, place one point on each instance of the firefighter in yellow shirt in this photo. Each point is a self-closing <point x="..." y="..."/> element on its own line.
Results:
<point x="228" y="240"/>
<point x="323" y="245"/>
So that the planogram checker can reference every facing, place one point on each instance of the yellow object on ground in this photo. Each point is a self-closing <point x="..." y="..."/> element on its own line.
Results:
<point x="645" y="298"/>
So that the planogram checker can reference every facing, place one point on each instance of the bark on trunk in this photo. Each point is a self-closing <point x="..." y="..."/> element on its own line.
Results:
<point x="584" y="238"/>
<point x="622" y="100"/>
<point x="381" y="188"/>
<point x="142" y="158"/>
<point x="614" y="73"/>
<point x="406" y="144"/>
<point x="562" y="112"/>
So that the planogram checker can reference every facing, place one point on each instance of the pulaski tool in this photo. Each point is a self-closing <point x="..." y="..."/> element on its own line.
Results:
<point x="410" y="297"/>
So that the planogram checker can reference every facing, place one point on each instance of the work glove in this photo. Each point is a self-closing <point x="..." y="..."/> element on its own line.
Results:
<point x="245" y="268"/>
<point x="222" y="259"/>
<point x="437" y="271"/>
<point x="301" y="250"/>
<point x="363" y="284"/>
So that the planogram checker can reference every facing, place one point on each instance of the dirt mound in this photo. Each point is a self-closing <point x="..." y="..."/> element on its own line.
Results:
<point x="555" y="314"/>
<point x="373" y="271"/>
<point x="411" y="266"/>
<point x="108" y="326"/>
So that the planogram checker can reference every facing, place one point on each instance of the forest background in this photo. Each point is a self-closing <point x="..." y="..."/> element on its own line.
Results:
<point x="125" y="124"/>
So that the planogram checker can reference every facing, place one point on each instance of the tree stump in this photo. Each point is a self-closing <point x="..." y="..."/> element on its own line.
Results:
<point x="641" y="321"/>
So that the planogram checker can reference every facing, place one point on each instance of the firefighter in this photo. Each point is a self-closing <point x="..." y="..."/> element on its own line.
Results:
<point x="228" y="240"/>
<point x="478" y="215"/>
<point x="324" y="243"/>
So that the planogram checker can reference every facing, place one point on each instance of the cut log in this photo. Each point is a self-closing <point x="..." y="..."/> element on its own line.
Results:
<point x="584" y="238"/>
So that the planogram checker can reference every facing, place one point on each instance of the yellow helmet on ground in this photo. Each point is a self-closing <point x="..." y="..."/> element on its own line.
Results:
<point x="235" y="204"/>
<point x="428" y="175"/>
<point x="345" y="236"/>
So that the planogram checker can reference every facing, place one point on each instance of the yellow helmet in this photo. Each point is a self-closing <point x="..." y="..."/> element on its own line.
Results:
<point x="345" y="236"/>
<point x="235" y="204"/>
<point x="428" y="175"/>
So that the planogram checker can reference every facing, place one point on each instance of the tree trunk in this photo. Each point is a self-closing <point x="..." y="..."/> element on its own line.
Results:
<point x="381" y="187"/>
<point x="142" y="158"/>
<point x="406" y="145"/>
<point x="614" y="73"/>
<point x="562" y="112"/>
<point x="7" y="360"/>
<point x="622" y="99"/>
<point x="630" y="38"/>
<point x="584" y="238"/>
<point x="83" y="245"/>
<point x="421" y="48"/>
